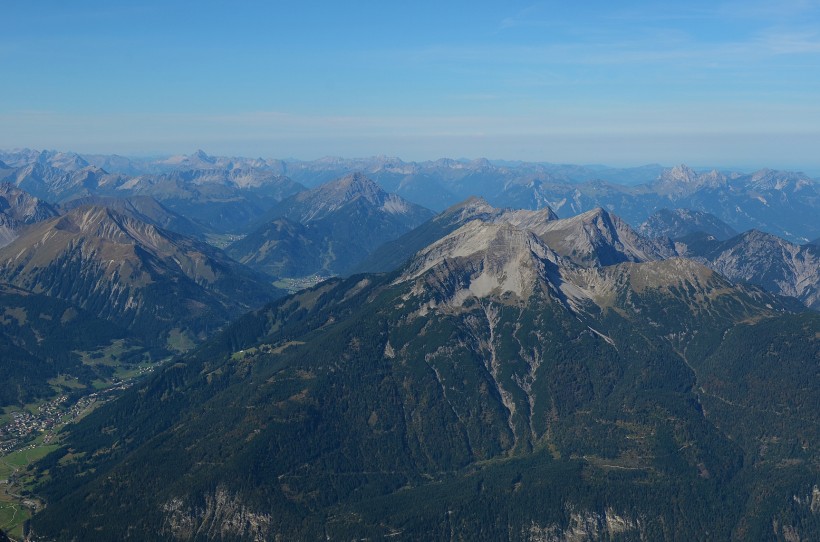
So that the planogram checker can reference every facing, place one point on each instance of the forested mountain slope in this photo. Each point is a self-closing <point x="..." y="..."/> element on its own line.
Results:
<point x="491" y="388"/>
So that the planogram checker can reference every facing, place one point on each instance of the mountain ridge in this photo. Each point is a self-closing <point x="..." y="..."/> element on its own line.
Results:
<point x="327" y="230"/>
<point x="377" y="406"/>
<point x="764" y="259"/>
<point x="18" y="209"/>
<point x="118" y="267"/>
<point x="675" y="223"/>
<point x="780" y="202"/>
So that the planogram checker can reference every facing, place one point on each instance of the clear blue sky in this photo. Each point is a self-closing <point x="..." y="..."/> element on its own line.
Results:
<point x="705" y="83"/>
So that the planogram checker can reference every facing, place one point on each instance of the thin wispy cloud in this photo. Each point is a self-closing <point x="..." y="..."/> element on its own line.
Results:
<point x="786" y="42"/>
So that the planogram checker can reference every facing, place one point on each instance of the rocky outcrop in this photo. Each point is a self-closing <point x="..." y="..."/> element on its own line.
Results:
<point x="223" y="516"/>
<point x="598" y="238"/>
<point x="585" y="527"/>
<point x="764" y="259"/>
<point x="18" y="209"/>
<point x="481" y="259"/>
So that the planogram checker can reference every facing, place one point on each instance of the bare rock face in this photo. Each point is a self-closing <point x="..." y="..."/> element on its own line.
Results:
<point x="775" y="264"/>
<point x="393" y="254"/>
<point x="598" y="238"/>
<point x="497" y="260"/>
<point x="223" y="517"/>
<point x="586" y="527"/>
<point x="18" y="209"/>
<point x="534" y="221"/>
<point x="481" y="259"/>
<point x="320" y="202"/>
<point x="681" y="180"/>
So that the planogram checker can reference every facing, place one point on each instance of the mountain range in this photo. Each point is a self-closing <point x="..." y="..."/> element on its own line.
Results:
<point x="780" y="202"/>
<point x="223" y="196"/>
<point x="115" y="266"/>
<point x="490" y="388"/>
<point x="226" y="191"/>
<point x="569" y="353"/>
<point x="762" y="259"/>
<point x="599" y="238"/>
<point x="327" y="230"/>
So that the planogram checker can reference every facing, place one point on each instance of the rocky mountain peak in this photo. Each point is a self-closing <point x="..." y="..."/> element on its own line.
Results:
<point x="335" y="194"/>
<point x="769" y="179"/>
<point x="104" y="226"/>
<point x="22" y="206"/>
<point x="478" y="208"/>
<point x="354" y="183"/>
<point x="597" y="214"/>
<point x="682" y="172"/>
<point x="597" y="238"/>
<point x="101" y="223"/>
<point x="682" y="180"/>
<point x="596" y="222"/>
<point x="18" y="208"/>
<point x="761" y="245"/>
<point x="67" y="161"/>
<point x="482" y="259"/>
<point x="761" y="236"/>
<point x="202" y="156"/>
<point x="468" y="209"/>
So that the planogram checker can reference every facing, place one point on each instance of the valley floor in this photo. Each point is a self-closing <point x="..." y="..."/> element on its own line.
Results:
<point x="30" y="433"/>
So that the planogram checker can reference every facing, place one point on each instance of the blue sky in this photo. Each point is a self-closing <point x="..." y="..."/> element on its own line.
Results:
<point x="621" y="83"/>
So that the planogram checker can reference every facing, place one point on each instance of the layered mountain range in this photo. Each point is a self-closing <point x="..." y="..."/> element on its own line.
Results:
<point x="491" y="387"/>
<point x="780" y="202"/>
<point x="599" y="238"/>
<point x="490" y="372"/>
<point x="227" y="191"/>
<point x="220" y="195"/>
<point x="327" y="230"/>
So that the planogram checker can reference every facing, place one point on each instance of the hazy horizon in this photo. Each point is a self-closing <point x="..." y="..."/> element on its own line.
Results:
<point x="706" y="84"/>
<point x="736" y="168"/>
